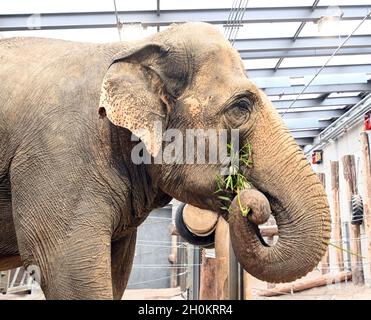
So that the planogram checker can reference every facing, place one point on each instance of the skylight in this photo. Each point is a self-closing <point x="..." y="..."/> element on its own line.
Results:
<point x="268" y="30"/>
<point x="97" y="35"/>
<point x="321" y="60"/>
<point x="343" y="94"/>
<point x="294" y="96"/>
<point x="342" y="2"/>
<point x="259" y="63"/>
<point x="340" y="28"/>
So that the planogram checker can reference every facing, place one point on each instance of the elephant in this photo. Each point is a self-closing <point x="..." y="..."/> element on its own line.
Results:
<point x="71" y="196"/>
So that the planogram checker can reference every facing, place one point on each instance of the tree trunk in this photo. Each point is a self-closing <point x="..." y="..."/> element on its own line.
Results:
<point x="325" y="262"/>
<point x="337" y="236"/>
<point x="366" y="171"/>
<point x="355" y="241"/>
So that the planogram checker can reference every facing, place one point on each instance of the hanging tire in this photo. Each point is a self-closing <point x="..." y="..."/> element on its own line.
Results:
<point x="187" y="235"/>
<point x="357" y="209"/>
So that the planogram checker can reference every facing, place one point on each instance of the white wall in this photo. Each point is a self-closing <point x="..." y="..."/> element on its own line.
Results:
<point x="348" y="143"/>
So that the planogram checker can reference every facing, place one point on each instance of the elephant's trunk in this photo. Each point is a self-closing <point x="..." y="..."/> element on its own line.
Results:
<point x="299" y="206"/>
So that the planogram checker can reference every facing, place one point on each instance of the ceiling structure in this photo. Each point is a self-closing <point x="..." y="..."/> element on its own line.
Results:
<point x="283" y="45"/>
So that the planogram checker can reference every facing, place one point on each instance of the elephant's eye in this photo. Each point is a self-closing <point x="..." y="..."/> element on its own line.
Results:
<point x="239" y="111"/>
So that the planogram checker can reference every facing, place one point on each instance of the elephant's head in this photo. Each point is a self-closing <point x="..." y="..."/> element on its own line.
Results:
<point x="190" y="77"/>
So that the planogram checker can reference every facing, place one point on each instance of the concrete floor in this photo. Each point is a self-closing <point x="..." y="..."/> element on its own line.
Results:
<point x="342" y="291"/>
<point x="130" y="294"/>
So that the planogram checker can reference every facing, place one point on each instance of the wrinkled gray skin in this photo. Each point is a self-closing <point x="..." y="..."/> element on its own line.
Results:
<point x="70" y="197"/>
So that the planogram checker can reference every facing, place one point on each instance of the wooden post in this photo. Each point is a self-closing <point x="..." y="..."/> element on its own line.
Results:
<point x="247" y="292"/>
<point x="173" y="259"/>
<point x="349" y="171"/>
<point x="222" y="240"/>
<point x="366" y="171"/>
<point x="208" y="288"/>
<point x="325" y="262"/>
<point x="337" y="235"/>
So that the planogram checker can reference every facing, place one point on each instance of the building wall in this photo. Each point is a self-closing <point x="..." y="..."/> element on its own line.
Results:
<point x="348" y="143"/>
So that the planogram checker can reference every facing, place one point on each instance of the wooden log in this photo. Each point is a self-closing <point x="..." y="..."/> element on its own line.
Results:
<point x="307" y="284"/>
<point x="208" y="289"/>
<point x="222" y="240"/>
<point x="247" y="290"/>
<point x="198" y="221"/>
<point x="337" y="233"/>
<point x="366" y="173"/>
<point x="349" y="172"/>
<point x="174" y="231"/>
<point x="325" y="262"/>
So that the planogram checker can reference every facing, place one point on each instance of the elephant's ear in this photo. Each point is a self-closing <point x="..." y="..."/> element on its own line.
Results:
<point x="138" y="93"/>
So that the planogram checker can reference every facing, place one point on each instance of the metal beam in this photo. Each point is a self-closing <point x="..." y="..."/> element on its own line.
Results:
<point x="305" y="43"/>
<point x="323" y="114"/>
<point x="305" y="133"/>
<point x="309" y="123"/>
<point x="307" y="71"/>
<point x="11" y="22"/>
<point x="356" y="87"/>
<point x="275" y="54"/>
<point x="303" y="103"/>
<point x="326" y="79"/>
<point x="304" y="141"/>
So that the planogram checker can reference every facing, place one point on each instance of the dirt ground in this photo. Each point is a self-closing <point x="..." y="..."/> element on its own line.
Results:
<point x="343" y="291"/>
<point x="339" y="291"/>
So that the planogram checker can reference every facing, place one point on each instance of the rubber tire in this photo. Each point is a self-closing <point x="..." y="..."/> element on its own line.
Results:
<point x="187" y="235"/>
<point x="357" y="209"/>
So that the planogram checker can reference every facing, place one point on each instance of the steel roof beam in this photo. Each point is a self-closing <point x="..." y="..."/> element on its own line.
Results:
<point x="356" y="87"/>
<point x="302" y="53"/>
<point x="303" y="103"/>
<point x="304" y="43"/>
<point x="304" y="141"/>
<point x="307" y="71"/>
<point x="305" y="133"/>
<point x="323" y="114"/>
<point x="11" y="22"/>
<point x="307" y="123"/>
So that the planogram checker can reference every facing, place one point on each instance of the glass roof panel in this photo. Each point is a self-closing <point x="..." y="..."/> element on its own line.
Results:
<point x="294" y="96"/>
<point x="343" y="94"/>
<point x="343" y="2"/>
<point x="336" y="28"/>
<point x="194" y="4"/>
<point x="281" y="3"/>
<point x="42" y="6"/>
<point x="319" y="61"/>
<point x="303" y="62"/>
<point x="268" y="30"/>
<point x="313" y="109"/>
<point x="205" y="4"/>
<point x="97" y="35"/>
<point x="259" y="63"/>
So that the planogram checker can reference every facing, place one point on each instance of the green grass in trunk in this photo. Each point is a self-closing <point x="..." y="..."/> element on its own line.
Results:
<point x="230" y="186"/>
